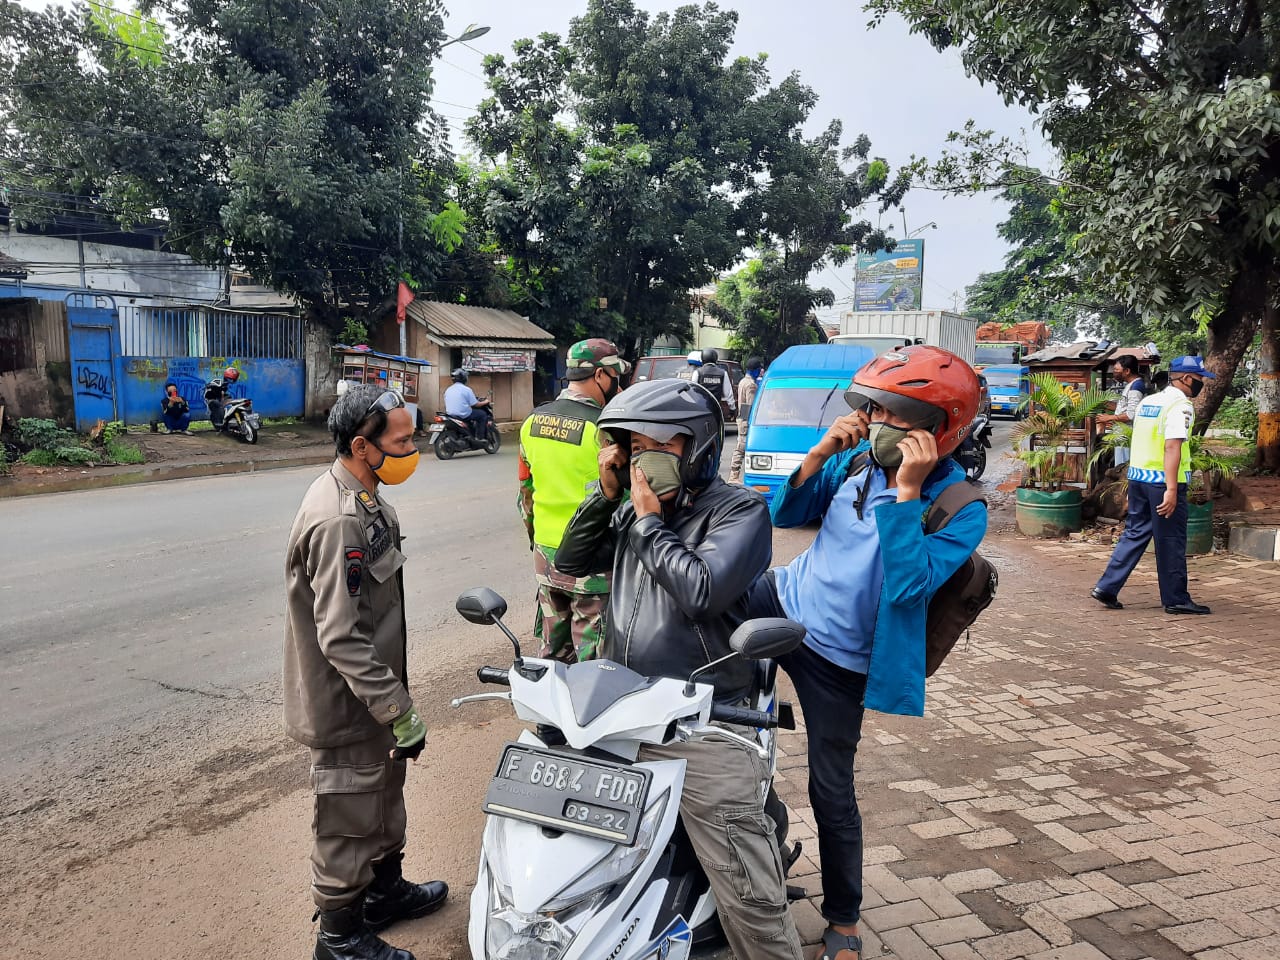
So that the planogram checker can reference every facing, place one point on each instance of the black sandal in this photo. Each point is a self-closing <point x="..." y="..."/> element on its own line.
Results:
<point x="833" y="943"/>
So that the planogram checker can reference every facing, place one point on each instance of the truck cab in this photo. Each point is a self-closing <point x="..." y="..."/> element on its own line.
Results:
<point x="800" y="396"/>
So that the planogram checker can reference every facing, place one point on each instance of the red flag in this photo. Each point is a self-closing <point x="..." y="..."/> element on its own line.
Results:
<point x="404" y="297"/>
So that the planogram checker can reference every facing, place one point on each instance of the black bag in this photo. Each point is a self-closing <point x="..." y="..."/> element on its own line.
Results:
<point x="968" y="591"/>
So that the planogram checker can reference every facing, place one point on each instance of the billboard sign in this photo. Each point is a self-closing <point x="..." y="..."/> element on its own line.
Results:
<point x="890" y="281"/>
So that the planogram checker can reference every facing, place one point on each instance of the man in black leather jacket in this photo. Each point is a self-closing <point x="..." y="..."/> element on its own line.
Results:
<point x="685" y="550"/>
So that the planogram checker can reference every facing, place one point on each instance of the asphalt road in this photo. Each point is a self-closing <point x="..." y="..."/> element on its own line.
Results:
<point x="143" y="769"/>
<point x="117" y="605"/>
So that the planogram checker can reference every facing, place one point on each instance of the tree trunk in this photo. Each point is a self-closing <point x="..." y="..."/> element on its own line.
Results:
<point x="1269" y="391"/>
<point x="1229" y="337"/>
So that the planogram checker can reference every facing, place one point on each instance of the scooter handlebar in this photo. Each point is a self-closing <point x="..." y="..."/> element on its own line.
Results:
<point x="496" y="675"/>
<point x="742" y="717"/>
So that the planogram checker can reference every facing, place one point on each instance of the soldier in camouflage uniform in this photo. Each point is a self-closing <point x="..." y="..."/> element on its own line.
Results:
<point x="558" y="458"/>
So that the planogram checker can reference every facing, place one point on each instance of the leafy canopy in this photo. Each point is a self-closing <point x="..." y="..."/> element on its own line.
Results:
<point x="291" y="137"/>
<point x="1168" y="136"/>
<point x="633" y="163"/>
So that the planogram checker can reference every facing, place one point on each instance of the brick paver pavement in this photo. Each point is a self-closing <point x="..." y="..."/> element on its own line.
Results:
<point x="1086" y="783"/>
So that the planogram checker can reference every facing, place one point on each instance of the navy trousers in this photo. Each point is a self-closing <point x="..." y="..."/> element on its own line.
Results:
<point x="831" y="701"/>
<point x="1141" y="524"/>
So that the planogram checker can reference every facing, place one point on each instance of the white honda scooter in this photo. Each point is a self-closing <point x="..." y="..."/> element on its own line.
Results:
<point x="584" y="856"/>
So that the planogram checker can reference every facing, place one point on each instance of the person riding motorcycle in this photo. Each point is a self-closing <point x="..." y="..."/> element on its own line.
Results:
<point x="460" y="401"/>
<point x="685" y="550"/>
<point x="216" y="393"/>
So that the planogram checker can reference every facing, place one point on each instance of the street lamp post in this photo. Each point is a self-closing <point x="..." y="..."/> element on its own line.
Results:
<point x="919" y="229"/>
<point x="473" y="30"/>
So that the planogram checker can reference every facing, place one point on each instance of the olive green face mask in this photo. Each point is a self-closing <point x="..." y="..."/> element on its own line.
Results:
<point x="661" y="469"/>
<point x="884" y="440"/>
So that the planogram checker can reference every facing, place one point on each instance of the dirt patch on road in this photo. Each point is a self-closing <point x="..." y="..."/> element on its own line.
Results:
<point x="164" y="857"/>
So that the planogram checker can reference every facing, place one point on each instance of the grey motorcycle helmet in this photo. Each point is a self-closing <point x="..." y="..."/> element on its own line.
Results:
<point x="661" y="409"/>
<point x="459" y="376"/>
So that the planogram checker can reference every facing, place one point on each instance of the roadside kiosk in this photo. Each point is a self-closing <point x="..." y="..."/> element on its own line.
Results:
<point x="404" y="375"/>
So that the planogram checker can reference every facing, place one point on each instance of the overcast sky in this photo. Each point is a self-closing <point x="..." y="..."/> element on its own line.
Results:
<point x="857" y="73"/>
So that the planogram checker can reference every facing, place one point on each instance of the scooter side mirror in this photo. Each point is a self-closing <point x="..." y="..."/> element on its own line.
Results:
<point x="766" y="638"/>
<point x="481" y="605"/>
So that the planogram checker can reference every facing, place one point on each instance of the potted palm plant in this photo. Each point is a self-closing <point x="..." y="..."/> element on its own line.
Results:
<point x="1046" y="505"/>
<point x="1207" y="471"/>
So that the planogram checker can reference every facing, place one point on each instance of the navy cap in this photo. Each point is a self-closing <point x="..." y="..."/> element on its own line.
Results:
<point x="1190" y="365"/>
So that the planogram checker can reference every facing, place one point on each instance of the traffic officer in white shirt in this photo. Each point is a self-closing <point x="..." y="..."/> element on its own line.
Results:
<point x="1158" y="474"/>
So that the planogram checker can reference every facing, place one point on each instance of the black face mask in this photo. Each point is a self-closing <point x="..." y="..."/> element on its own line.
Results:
<point x="1196" y="387"/>
<point x="615" y="386"/>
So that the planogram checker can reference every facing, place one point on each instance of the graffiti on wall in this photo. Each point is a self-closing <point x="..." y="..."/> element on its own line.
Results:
<point x="276" y="386"/>
<point x="93" y="381"/>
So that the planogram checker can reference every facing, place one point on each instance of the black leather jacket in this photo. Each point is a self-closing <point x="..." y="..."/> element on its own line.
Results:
<point x="680" y="584"/>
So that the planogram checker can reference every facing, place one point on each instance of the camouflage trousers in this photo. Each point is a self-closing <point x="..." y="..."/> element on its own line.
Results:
<point x="569" y="622"/>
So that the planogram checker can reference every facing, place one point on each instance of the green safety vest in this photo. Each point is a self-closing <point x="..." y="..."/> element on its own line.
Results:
<point x="562" y="449"/>
<point x="1146" y="456"/>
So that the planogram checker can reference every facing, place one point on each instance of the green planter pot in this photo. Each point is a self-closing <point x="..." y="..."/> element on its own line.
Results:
<point x="1199" y="528"/>
<point x="1043" y="513"/>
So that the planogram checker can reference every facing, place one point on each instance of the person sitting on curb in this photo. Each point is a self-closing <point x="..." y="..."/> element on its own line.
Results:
<point x="176" y="411"/>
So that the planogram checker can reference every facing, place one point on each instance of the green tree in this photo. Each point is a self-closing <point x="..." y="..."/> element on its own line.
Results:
<point x="290" y="137"/>
<point x="1042" y="280"/>
<point x="634" y="161"/>
<point x="1168" y="134"/>
<point x="805" y="218"/>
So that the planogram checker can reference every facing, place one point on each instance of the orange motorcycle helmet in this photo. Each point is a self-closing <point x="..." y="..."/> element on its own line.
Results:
<point x="929" y="387"/>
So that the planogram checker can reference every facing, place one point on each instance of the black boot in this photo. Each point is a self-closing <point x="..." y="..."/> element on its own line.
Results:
<point x="345" y="936"/>
<point x="391" y="898"/>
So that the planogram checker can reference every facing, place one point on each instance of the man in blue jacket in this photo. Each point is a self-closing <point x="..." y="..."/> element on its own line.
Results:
<point x="862" y="589"/>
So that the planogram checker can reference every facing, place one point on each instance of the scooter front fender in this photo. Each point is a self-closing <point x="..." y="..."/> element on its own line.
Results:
<point x="548" y="864"/>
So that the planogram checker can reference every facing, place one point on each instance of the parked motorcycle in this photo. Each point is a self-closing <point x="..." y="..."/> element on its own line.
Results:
<point x="972" y="452"/>
<point x="583" y="855"/>
<point x="239" y="419"/>
<point x="450" y="435"/>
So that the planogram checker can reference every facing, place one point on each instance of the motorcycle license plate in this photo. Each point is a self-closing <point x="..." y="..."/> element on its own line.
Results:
<point x="565" y="792"/>
<point x="435" y="428"/>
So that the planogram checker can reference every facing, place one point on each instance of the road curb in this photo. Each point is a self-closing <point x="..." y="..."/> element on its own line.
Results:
<point x="158" y="472"/>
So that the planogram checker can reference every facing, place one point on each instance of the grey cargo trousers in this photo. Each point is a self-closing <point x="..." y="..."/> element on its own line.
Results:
<point x="734" y="840"/>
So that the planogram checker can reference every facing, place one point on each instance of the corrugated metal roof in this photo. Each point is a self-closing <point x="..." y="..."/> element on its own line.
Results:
<point x="455" y="325"/>
<point x="9" y="267"/>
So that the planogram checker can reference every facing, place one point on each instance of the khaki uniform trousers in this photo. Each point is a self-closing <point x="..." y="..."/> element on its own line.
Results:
<point x="359" y="817"/>
<point x="739" y="453"/>
<point x="733" y="837"/>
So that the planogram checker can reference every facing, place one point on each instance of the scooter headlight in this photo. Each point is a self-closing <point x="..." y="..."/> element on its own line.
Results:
<point x="547" y="934"/>
<point x="512" y="935"/>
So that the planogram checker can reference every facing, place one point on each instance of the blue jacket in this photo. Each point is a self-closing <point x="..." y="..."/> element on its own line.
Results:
<point x="915" y="566"/>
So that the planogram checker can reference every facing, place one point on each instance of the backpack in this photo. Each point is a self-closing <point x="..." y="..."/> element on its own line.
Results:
<point x="967" y="592"/>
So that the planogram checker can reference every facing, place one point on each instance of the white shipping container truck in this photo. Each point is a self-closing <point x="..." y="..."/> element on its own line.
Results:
<point x="883" y="330"/>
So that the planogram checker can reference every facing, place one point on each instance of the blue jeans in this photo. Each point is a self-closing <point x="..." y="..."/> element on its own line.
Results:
<point x="177" y="421"/>
<point x="831" y="701"/>
<point x="1141" y="524"/>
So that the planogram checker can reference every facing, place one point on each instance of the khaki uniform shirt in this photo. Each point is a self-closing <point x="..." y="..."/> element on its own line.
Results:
<point x="344" y="638"/>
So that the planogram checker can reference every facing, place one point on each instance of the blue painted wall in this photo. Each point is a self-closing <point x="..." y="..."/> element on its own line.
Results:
<point x="277" y="387"/>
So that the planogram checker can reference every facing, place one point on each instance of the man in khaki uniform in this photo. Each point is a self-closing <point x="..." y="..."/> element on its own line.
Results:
<point x="345" y="683"/>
